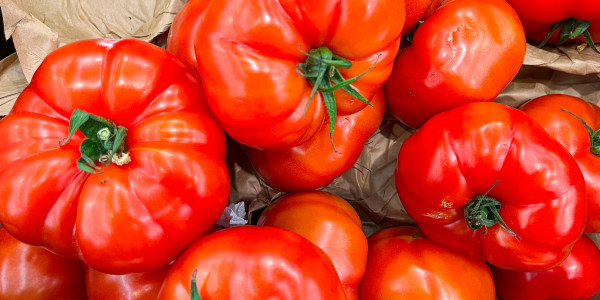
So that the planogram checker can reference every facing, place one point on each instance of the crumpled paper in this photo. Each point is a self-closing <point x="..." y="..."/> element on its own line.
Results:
<point x="233" y="215"/>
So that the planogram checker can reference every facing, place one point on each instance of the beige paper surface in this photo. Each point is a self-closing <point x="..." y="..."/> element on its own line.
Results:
<point x="12" y="82"/>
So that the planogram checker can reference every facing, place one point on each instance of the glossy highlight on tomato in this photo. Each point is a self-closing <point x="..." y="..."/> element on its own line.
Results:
<point x="131" y="286"/>
<point x="173" y="189"/>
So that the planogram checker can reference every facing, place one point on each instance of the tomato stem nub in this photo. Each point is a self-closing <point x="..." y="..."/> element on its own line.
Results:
<point x="571" y="29"/>
<point x="194" y="295"/>
<point x="483" y="212"/>
<point x="321" y="69"/>
<point x="105" y="141"/>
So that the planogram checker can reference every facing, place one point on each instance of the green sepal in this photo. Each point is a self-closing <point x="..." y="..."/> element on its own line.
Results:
<point x="482" y="213"/>
<point x="331" y="113"/>
<point x="194" y="295"/>
<point x="321" y="69"/>
<point x="94" y="147"/>
<point x="594" y="135"/>
<point x="571" y="29"/>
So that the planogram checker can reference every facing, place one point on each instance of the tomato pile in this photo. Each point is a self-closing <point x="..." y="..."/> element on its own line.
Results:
<point x="115" y="173"/>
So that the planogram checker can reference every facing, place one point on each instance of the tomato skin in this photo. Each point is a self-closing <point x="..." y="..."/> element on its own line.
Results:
<point x="467" y="51"/>
<point x="417" y="10"/>
<point x="249" y="65"/>
<point x="577" y="277"/>
<point x="329" y="222"/>
<point x="28" y="272"/>
<point x="132" y="286"/>
<point x="462" y="153"/>
<point x="404" y="264"/>
<point x="573" y="135"/>
<point x="316" y="163"/>
<point x="253" y="262"/>
<point x="539" y="15"/>
<point x="173" y="190"/>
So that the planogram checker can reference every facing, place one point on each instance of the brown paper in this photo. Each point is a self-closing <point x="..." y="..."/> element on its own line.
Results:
<point x="566" y="58"/>
<point x="40" y="26"/>
<point x="12" y="82"/>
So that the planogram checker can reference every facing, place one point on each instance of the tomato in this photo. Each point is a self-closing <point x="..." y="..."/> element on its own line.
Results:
<point x="404" y="264"/>
<point x="329" y="222"/>
<point x="315" y="163"/>
<point x="577" y="277"/>
<point x="253" y="262"/>
<point x="484" y="179"/>
<point x="417" y="10"/>
<point x="33" y="273"/>
<point x="467" y="51"/>
<point x="257" y="74"/>
<point x="173" y="189"/>
<point x="540" y="17"/>
<point x="569" y="128"/>
<point x="132" y="286"/>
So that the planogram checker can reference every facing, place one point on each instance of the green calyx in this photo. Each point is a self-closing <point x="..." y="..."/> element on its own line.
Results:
<point x="104" y="143"/>
<point x="594" y="135"/>
<point x="571" y="28"/>
<point x="321" y="70"/>
<point x="194" y="295"/>
<point x="482" y="212"/>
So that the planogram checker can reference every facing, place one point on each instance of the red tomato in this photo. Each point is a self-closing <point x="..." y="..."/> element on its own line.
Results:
<point x="329" y="222"/>
<point x="488" y="168"/>
<point x="315" y="163"/>
<point x="538" y="17"/>
<point x="571" y="132"/>
<point x="33" y="273"/>
<point x="173" y="189"/>
<point x="404" y="264"/>
<point x="417" y="10"/>
<point x="132" y="286"/>
<point x="467" y="51"/>
<point x="251" y="61"/>
<point x="252" y="263"/>
<point x="577" y="277"/>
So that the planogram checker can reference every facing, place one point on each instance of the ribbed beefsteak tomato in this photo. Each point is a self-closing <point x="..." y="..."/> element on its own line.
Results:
<point x="142" y="178"/>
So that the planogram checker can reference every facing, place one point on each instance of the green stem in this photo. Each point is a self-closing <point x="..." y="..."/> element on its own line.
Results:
<point x="321" y="69"/>
<point x="571" y="28"/>
<point x="482" y="212"/>
<point x="594" y="135"/>
<point x="104" y="142"/>
<point x="194" y="295"/>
